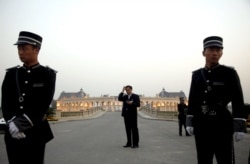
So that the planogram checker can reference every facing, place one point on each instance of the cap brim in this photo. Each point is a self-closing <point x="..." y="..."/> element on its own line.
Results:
<point x="18" y="43"/>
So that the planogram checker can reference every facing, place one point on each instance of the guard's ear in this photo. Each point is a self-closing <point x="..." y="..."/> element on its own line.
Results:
<point x="203" y="52"/>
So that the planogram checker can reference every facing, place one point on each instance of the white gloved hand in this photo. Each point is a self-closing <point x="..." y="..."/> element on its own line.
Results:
<point x="238" y="136"/>
<point x="13" y="128"/>
<point x="18" y="135"/>
<point x="190" y="130"/>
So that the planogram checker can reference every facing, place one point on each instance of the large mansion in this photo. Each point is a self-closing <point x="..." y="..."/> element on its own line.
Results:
<point x="80" y="101"/>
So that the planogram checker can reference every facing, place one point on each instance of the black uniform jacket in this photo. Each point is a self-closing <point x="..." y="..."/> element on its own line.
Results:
<point x="210" y="92"/>
<point x="129" y="110"/>
<point x="29" y="91"/>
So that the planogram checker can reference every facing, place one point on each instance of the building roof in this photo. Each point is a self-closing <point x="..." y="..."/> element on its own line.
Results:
<point x="164" y="93"/>
<point x="80" y="94"/>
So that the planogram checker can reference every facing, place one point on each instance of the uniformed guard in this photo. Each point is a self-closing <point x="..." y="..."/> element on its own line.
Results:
<point x="212" y="89"/>
<point x="27" y="92"/>
<point x="182" y="112"/>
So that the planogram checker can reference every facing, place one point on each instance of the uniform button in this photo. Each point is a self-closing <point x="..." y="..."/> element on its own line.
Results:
<point x="205" y="91"/>
<point x="204" y="102"/>
<point x="209" y="71"/>
<point x="207" y="81"/>
<point x="23" y="94"/>
<point x="26" y="82"/>
<point x="21" y="107"/>
<point x="28" y="71"/>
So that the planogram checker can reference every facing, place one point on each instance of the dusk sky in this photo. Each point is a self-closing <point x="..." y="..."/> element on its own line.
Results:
<point x="100" y="45"/>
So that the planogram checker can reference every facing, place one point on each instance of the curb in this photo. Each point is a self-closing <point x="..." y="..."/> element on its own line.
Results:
<point x="96" y="115"/>
<point x="142" y="115"/>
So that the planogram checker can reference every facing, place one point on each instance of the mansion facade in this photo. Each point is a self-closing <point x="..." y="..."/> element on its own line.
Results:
<point x="80" y="101"/>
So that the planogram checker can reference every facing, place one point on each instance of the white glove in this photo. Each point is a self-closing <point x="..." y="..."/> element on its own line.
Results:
<point x="238" y="136"/>
<point x="13" y="128"/>
<point x="18" y="135"/>
<point x="190" y="130"/>
<point x="14" y="131"/>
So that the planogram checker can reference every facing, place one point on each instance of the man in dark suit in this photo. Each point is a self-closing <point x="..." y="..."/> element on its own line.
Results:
<point x="27" y="92"/>
<point x="129" y="111"/>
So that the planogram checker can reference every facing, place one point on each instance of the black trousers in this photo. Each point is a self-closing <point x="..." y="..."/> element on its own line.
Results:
<point x="131" y="130"/>
<point x="208" y="145"/>
<point x="182" y="123"/>
<point x="24" y="151"/>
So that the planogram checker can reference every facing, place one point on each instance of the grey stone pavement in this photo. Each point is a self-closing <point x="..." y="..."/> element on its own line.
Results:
<point x="99" y="139"/>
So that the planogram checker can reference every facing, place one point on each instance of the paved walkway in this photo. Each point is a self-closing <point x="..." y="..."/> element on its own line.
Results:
<point x="99" y="138"/>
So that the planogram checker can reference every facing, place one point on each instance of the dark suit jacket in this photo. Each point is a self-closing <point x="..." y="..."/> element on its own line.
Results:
<point x="129" y="110"/>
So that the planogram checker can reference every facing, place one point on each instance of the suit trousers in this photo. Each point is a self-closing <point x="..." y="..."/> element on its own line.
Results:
<point x="132" y="131"/>
<point x="24" y="151"/>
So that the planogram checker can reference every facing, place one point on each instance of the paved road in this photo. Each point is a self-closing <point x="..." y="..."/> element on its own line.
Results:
<point x="100" y="141"/>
